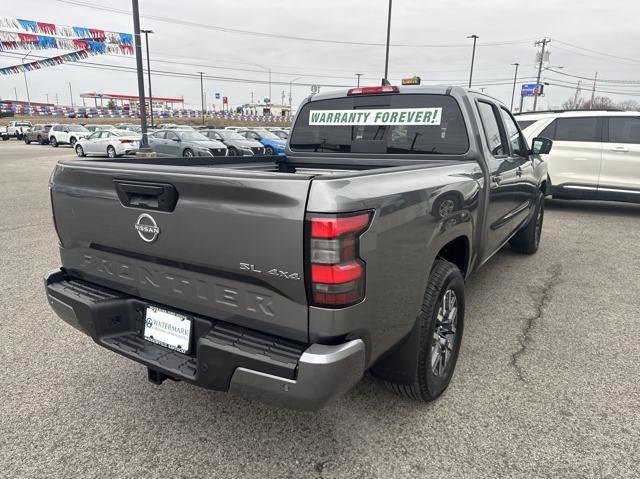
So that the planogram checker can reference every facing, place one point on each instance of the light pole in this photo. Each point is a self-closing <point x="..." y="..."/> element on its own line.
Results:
<point x="386" y="58"/>
<point x="515" y="79"/>
<point x="358" y="75"/>
<point x="146" y="41"/>
<point x="70" y="93"/>
<point x="473" y="56"/>
<point x="26" y="85"/>
<point x="15" y="90"/>
<point x="202" y="94"/>
<point x="140" y="71"/>
<point x="47" y="97"/>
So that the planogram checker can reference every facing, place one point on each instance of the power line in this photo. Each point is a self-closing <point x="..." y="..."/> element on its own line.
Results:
<point x="276" y="35"/>
<point x="608" y="55"/>
<point x="619" y="82"/>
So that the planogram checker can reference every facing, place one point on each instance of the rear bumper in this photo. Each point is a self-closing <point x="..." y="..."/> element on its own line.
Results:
<point x="225" y="357"/>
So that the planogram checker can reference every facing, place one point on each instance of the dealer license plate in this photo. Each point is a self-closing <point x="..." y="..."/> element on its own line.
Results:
<point x="167" y="329"/>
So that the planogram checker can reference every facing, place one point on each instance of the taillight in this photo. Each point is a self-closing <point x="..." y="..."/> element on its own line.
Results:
<point x="373" y="90"/>
<point x="125" y="141"/>
<point x="337" y="272"/>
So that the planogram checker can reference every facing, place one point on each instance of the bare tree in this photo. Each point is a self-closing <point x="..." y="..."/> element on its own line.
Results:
<point x="628" y="105"/>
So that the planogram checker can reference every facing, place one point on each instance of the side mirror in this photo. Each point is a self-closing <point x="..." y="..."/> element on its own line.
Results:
<point x="541" y="146"/>
<point x="66" y="130"/>
<point x="177" y="140"/>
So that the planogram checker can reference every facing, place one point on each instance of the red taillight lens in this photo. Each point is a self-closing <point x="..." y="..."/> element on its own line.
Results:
<point x="337" y="273"/>
<point x="126" y="141"/>
<point x="373" y="90"/>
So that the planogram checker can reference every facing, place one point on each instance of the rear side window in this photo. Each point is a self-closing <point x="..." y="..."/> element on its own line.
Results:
<point x="382" y="124"/>
<point x="624" y="129"/>
<point x="490" y="123"/>
<point x="577" y="129"/>
<point x="525" y="123"/>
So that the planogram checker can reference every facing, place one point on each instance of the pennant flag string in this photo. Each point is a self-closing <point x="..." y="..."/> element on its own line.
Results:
<point x="29" y="26"/>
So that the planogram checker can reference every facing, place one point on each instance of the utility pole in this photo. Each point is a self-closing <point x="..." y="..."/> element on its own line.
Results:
<point x="473" y="56"/>
<point x="140" y="71"/>
<point x="385" y="81"/>
<point x="542" y="42"/>
<point x="358" y="75"/>
<point x="146" y="41"/>
<point x="515" y="79"/>
<point x="575" y="97"/>
<point x="270" y="100"/>
<point x="70" y="94"/>
<point x="593" y="91"/>
<point x="283" y="95"/>
<point x="57" y="102"/>
<point x="47" y="97"/>
<point x="15" y="90"/>
<point x="202" y="94"/>
<point x="251" y="98"/>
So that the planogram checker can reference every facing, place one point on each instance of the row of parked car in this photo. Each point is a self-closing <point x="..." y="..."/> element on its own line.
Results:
<point x="166" y="139"/>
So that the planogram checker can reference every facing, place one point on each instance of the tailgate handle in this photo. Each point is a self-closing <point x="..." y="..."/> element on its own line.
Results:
<point x="147" y="196"/>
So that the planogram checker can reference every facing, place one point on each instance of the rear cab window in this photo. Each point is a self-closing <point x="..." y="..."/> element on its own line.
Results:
<point x="405" y="123"/>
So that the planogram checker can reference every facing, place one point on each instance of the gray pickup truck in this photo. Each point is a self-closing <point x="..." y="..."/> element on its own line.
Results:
<point x="286" y="278"/>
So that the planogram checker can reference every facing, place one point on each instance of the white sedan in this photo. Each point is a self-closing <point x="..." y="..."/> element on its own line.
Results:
<point x="112" y="143"/>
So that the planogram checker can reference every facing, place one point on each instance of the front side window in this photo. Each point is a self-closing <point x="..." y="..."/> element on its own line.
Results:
<point x="577" y="129"/>
<point x="515" y="139"/>
<point x="624" y="129"/>
<point x="491" y="129"/>
<point x="94" y="136"/>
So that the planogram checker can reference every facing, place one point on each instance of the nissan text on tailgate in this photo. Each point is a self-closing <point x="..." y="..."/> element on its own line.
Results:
<point x="284" y="279"/>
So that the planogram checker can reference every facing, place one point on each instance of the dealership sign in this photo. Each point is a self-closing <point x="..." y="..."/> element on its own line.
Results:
<point x="388" y="116"/>
<point x="532" y="89"/>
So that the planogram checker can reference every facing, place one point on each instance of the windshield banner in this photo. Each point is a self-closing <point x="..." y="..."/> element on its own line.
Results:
<point x="387" y="116"/>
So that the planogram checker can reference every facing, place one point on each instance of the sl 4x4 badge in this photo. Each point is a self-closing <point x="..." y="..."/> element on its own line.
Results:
<point x="273" y="271"/>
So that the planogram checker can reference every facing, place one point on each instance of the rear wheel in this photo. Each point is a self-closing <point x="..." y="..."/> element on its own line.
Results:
<point x="188" y="153"/>
<point x="72" y="141"/>
<point x="79" y="150"/>
<point x="441" y="323"/>
<point x="40" y="140"/>
<point x="111" y="152"/>
<point x="527" y="240"/>
<point x="53" y="141"/>
<point x="27" y="141"/>
<point x="269" y="151"/>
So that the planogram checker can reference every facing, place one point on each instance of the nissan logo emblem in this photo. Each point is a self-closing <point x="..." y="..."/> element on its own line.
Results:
<point x="147" y="228"/>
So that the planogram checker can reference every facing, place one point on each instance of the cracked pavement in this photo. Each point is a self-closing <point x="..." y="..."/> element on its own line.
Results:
<point x="546" y="383"/>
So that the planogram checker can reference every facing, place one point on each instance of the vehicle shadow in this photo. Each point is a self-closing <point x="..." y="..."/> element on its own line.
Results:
<point x="595" y="207"/>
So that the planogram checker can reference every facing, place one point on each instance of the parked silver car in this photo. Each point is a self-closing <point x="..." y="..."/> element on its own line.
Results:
<point x="110" y="143"/>
<point x="187" y="143"/>
<point x="237" y="144"/>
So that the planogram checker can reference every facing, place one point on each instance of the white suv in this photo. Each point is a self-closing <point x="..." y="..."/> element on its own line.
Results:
<point x="596" y="154"/>
<point x="62" y="134"/>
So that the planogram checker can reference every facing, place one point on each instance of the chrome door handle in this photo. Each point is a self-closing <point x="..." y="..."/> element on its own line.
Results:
<point x="496" y="179"/>
<point x="519" y="171"/>
<point x="621" y="149"/>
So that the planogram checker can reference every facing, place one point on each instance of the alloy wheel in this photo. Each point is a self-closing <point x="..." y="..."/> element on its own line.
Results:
<point x="444" y="334"/>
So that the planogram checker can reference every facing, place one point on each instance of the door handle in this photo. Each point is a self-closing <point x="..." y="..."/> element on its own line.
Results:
<point x="496" y="179"/>
<point x="621" y="149"/>
<point x="519" y="171"/>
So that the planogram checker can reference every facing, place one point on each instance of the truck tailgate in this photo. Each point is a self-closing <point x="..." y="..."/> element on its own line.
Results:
<point x="230" y="249"/>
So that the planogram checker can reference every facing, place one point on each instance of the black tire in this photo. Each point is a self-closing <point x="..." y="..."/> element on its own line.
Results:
<point x="527" y="240"/>
<point x="111" y="152"/>
<point x="40" y="140"/>
<point x="269" y="151"/>
<point x="27" y="141"/>
<point x="188" y="153"/>
<point x="233" y="151"/>
<point x="53" y="141"/>
<point x="428" y="384"/>
<point x="80" y="151"/>
<point x="72" y="141"/>
<point x="5" y="138"/>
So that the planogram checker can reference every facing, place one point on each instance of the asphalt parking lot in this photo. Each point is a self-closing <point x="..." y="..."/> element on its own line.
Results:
<point x="546" y="384"/>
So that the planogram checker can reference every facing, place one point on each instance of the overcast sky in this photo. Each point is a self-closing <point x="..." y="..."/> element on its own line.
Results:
<point x="606" y="32"/>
